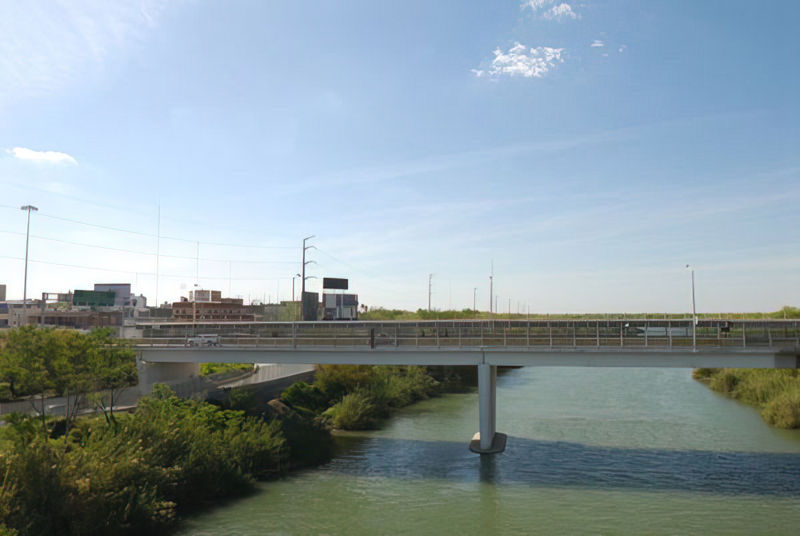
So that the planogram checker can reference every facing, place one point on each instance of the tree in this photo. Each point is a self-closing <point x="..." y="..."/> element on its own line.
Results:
<point x="113" y="369"/>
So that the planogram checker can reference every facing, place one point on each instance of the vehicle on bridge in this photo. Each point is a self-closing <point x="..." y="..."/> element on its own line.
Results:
<point x="203" y="340"/>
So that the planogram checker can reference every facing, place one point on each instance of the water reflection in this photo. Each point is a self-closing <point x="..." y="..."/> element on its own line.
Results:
<point x="562" y="464"/>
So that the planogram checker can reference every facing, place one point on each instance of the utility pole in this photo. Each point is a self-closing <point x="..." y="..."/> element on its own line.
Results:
<point x="303" y="278"/>
<point x="694" y="311"/>
<point x="430" y="279"/>
<point x="28" y="208"/>
<point x="491" y="288"/>
<point x="475" y="299"/>
<point x="158" y="248"/>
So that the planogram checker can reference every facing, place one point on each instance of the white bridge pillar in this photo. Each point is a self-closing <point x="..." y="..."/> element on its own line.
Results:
<point x="487" y="440"/>
<point x="168" y="373"/>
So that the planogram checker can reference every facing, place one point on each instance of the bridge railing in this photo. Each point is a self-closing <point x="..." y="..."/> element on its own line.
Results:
<point x="600" y="333"/>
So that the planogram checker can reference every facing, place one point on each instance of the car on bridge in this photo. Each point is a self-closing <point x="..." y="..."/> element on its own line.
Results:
<point x="203" y="340"/>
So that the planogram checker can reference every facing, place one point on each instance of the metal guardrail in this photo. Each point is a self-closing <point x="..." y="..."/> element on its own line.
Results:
<point x="532" y="334"/>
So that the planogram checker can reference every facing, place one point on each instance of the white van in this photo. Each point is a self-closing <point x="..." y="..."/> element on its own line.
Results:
<point x="202" y="340"/>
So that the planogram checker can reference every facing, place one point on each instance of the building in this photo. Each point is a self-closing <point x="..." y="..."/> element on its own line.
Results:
<point x="76" y="319"/>
<point x="122" y="293"/>
<point x="211" y="306"/>
<point x="2" y="293"/>
<point x="201" y="295"/>
<point x="14" y="313"/>
<point x="340" y="306"/>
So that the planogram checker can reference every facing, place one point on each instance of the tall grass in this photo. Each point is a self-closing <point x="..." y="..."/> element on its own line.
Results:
<point x="775" y="392"/>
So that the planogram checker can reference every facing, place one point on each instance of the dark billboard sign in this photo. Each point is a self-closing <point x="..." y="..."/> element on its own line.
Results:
<point x="334" y="283"/>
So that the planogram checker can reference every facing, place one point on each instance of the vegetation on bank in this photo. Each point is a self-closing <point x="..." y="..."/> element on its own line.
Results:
<point x="379" y="313"/>
<point x="775" y="392"/>
<point x="209" y="369"/>
<point x="357" y="397"/>
<point x="134" y="474"/>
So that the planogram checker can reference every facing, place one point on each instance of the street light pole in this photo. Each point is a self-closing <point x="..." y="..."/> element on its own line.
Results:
<point x="27" y="208"/>
<point x="430" y="278"/>
<point x="475" y="299"/>
<point x="491" y="288"/>
<point x="694" y="312"/>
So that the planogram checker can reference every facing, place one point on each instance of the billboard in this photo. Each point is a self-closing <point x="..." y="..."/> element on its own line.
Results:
<point x="334" y="283"/>
<point x="94" y="298"/>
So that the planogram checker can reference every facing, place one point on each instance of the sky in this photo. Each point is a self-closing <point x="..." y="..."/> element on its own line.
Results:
<point x="587" y="151"/>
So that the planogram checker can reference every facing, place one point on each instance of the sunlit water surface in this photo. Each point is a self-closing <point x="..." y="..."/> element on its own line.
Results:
<point x="590" y="451"/>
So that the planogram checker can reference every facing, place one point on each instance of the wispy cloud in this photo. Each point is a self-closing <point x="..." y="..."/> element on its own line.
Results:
<point x="560" y="12"/>
<point x="521" y="61"/>
<point x="51" y="157"/>
<point x="549" y="11"/>
<point x="597" y="44"/>
<point x="47" y="45"/>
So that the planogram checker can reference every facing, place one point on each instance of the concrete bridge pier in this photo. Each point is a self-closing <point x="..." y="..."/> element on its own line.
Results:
<point x="169" y="373"/>
<point x="487" y="440"/>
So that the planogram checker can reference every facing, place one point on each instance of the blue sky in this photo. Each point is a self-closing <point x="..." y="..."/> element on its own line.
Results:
<point x="591" y="150"/>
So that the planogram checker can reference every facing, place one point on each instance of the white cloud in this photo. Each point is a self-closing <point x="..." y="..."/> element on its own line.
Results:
<point x="519" y="61"/>
<point x="622" y="48"/>
<point x="46" y="46"/>
<point x="52" y="157"/>
<point x="597" y="44"/>
<point x="558" y="12"/>
<point x="537" y="4"/>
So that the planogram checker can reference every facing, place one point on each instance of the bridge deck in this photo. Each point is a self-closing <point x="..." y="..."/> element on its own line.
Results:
<point x="600" y="342"/>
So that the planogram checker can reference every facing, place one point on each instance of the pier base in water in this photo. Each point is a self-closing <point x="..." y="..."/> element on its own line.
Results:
<point x="498" y="444"/>
<point x="487" y="440"/>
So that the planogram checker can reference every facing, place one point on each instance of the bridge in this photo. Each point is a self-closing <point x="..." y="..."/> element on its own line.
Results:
<point x="170" y="349"/>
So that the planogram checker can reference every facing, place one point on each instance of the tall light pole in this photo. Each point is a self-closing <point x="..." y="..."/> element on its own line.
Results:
<point x="491" y="288"/>
<point x="430" y="279"/>
<point x="27" y="208"/>
<point x="303" y="275"/>
<point x="295" y="276"/>
<point x="475" y="299"/>
<point x="694" y="311"/>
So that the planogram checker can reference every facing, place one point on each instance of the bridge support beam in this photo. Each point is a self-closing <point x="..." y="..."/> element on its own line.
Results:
<point x="168" y="373"/>
<point x="487" y="440"/>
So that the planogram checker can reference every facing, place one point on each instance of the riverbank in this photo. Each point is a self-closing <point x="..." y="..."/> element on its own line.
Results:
<point x="591" y="451"/>
<point x="776" y="393"/>
<point x="141" y="471"/>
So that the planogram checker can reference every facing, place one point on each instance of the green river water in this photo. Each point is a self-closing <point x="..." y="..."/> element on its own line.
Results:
<point x="590" y="451"/>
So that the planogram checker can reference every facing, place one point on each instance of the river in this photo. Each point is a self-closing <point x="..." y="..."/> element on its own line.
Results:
<point x="590" y="451"/>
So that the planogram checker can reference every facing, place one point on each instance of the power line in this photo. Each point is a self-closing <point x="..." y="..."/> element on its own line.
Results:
<point x="151" y="235"/>
<point x="174" y="276"/>
<point x="106" y="227"/>
<point x="137" y="252"/>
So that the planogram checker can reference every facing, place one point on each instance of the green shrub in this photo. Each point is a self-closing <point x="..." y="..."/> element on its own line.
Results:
<point x="354" y="412"/>
<point x="725" y="381"/>
<point x="5" y="395"/>
<point x="302" y="396"/>
<point x="207" y="369"/>
<point x="783" y="411"/>
<point x="704" y="374"/>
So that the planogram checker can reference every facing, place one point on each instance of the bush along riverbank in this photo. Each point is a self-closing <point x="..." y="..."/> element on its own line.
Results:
<point x="776" y="393"/>
<point x="357" y="397"/>
<point x="137" y="472"/>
